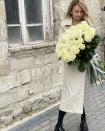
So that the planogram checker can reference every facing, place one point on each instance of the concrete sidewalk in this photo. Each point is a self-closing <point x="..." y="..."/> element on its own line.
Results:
<point x="46" y="121"/>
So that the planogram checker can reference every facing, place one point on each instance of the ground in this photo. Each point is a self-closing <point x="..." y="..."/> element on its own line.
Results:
<point x="46" y="121"/>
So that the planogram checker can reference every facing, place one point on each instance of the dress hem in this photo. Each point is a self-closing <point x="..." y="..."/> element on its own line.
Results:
<point x="71" y="111"/>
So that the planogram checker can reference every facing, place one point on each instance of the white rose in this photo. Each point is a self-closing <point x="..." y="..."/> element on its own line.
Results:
<point x="87" y="38"/>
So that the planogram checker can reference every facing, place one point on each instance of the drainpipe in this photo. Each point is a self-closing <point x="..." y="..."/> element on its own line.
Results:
<point x="51" y="19"/>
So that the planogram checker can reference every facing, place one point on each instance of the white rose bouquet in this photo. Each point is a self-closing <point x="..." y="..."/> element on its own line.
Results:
<point x="77" y="45"/>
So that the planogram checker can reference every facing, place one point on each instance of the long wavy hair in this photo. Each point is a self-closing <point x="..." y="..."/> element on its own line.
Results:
<point x="82" y="4"/>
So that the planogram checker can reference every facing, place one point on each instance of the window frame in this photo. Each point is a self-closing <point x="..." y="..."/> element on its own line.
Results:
<point x="47" y="23"/>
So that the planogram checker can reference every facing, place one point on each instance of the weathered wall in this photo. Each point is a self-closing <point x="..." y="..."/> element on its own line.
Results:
<point x="3" y="33"/>
<point x="32" y="83"/>
<point x="98" y="15"/>
<point x="31" y="77"/>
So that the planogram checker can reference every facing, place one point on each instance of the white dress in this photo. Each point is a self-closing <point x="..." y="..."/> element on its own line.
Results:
<point x="73" y="89"/>
<point x="77" y="88"/>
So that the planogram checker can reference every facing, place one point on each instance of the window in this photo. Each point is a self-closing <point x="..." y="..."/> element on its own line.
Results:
<point x="28" y="21"/>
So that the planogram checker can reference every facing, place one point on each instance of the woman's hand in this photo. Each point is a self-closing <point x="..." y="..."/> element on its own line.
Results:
<point x="95" y="58"/>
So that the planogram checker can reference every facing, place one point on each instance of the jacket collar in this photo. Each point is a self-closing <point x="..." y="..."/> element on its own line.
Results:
<point x="68" y="21"/>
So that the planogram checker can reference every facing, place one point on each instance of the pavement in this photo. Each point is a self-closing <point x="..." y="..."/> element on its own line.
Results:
<point x="46" y="121"/>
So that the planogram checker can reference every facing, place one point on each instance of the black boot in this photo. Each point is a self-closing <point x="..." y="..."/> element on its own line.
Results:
<point x="83" y="125"/>
<point x="59" y="128"/>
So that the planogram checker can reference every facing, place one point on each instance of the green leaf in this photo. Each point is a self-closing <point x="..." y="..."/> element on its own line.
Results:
<point x="87" y="64"/>
<point x="78" y="62"/>
<point x="101" y="62"/>
<point x="88" y="46"/>
<point x="81" y="68"/>
<point x="69" y="63"/>
<point x="73" y="62"/>
<point x="93" y="53"/>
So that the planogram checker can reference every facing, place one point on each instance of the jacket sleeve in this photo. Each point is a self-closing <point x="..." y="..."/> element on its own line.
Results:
<point x="61" y="30"/>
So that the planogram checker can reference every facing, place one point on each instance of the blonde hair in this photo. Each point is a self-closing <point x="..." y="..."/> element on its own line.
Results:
<point x="82" y="4"/>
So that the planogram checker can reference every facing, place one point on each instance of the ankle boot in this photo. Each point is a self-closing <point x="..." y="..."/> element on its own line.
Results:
<point x="83" y="124"/>
<point x="59" y="128"/>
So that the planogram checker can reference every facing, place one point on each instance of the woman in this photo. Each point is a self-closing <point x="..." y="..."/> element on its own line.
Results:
<point x="78" y="94"/>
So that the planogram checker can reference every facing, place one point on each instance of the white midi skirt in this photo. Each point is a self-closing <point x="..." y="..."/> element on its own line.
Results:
<point x="77" y="91"/>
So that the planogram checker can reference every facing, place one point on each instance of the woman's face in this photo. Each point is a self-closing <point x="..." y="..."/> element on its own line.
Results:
<point x="77" y="13"/>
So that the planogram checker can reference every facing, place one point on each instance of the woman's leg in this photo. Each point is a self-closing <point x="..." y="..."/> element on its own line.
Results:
<point x="83" y="125"/>
<point x="60" y="121"/>
<point x="60" y="118"/>
<point x="83" y="116"/>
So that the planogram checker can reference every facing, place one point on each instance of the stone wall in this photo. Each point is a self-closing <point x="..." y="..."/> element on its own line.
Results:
<point x="31" y="77"/>
<point x="31" y="82"/>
